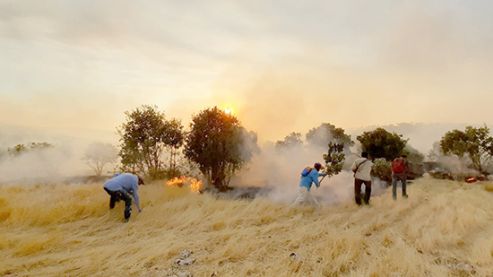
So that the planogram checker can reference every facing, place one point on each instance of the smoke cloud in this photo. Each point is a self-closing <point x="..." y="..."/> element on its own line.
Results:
<point x="62" y="162"/>
<point x="277" y="171"/>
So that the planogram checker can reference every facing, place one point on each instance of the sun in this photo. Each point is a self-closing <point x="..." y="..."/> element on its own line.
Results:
<point x="228" y="111"/>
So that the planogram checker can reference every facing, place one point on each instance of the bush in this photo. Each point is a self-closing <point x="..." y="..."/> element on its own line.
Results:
<point x="382" y="169"/>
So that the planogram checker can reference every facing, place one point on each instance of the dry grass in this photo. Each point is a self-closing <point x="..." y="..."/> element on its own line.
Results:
<point x="443" y="229"/>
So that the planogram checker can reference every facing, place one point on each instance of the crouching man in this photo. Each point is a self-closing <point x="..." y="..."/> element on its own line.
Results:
<point x="309" y="176"/>
<point x="123" y="187"/>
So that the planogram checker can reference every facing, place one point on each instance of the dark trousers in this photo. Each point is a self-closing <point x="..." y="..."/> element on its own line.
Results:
<point x="357" y="191"/>
<point x="116" y="196"/>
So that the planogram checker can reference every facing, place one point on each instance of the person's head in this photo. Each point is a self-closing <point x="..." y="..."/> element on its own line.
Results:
<point x="141" y="181"/>
<point x="318" y="166"/>
<point x="364" y="154"/>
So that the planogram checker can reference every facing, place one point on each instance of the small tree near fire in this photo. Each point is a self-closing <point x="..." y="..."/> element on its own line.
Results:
<point x="98" y="155"/>
<point x="382" y="144"/>
<point x="219" y="145"/>
<point x="474" y="143"/>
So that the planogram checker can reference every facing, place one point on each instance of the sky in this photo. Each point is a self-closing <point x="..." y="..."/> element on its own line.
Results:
<point x="282" y="66"/>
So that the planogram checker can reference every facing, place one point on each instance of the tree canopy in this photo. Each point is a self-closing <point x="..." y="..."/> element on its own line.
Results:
<point x="380" y="143"/>
<point x="327" y="133"/>
<point x="475" y="143"/>
<point x="291" y="140"/>
<point x="219" y="145"/>
<point x="144" y="137"/>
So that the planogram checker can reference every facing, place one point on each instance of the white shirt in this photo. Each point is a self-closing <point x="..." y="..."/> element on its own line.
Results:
<point x="364" y="169"/>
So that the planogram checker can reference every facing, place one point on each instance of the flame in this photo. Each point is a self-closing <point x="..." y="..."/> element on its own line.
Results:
<point x="177" y="182"/>
<point x="195" y="185"/>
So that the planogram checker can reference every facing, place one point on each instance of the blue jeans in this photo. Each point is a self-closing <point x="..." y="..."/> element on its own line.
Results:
<point x="395" y="179"/>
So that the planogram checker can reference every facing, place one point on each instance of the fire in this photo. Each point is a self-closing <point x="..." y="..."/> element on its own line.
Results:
<point x="177" y="182"/>
<point x="194" y="184"/>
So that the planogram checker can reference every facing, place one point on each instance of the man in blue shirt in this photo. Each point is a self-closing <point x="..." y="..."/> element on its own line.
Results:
<point x="309" y="176"/>
<point x="123" y="187"/>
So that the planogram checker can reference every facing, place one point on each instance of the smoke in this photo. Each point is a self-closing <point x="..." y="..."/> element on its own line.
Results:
<point x="42" y="166"/>
<point x="62" y="162"/>
<point x="277" y="170"/>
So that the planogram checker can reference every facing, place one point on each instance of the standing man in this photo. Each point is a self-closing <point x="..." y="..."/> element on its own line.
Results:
<point x="362" y="175"/>
<point x="309" y="176"/>
<point x="123" y="187"/>
<point x="400" y="169"/>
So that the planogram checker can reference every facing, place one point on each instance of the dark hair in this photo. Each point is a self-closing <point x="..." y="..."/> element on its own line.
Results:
<point x="317" y="166"/>
<point x="364" y="154"/>
<point x="141" y="181"/>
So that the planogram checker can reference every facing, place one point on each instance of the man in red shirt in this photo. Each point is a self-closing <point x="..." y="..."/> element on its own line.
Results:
<point x="400" y="169"/>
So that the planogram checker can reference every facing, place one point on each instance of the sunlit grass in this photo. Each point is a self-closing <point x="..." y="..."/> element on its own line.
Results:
<point x="69" y="230"/>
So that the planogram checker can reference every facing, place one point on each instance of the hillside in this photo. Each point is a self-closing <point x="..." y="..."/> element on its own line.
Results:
<point x="443" y="229"/>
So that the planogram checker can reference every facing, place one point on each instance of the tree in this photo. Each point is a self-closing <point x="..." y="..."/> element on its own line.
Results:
<point x="173" y="139"/>
<point x="98" y="155"/>
<point x="475" y="143"/>
<point x="328" y="133"/>
<point x="145" y="136"/>
<point x="382" y="144"/>
<point x="219" y="145"/>
<point x="291" y="140"/>
<point x="33" y="146"/>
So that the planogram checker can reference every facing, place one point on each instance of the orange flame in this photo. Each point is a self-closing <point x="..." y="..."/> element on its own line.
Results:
<point x="177" y="182"/>
<point x="194" y="184"/>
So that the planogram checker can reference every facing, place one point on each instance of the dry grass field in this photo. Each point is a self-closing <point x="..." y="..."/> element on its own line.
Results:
<point x="443" y="229"/>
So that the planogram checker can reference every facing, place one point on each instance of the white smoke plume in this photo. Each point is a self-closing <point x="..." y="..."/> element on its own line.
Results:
<point x="63" y="162"/>
<point x="42" y="166"/>
<point x="277" y="171"/>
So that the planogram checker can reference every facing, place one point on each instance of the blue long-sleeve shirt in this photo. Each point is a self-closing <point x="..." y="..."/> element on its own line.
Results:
<point x="310" y="178"/>
<point x="126" y="182"/>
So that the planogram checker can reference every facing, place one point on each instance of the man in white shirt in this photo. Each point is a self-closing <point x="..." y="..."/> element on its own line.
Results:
<point x="362" y="175"/>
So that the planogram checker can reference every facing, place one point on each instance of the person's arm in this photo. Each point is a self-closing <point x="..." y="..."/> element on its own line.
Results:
<point x="354" y="166"/>
<point x="135" y="195"/>
<point x="314" y="174"/>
